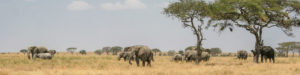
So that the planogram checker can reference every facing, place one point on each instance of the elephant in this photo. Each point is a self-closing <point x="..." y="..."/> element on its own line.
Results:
<point x="205" y="56"/>
<point x="267" y="52"/>
<point x="142" y="53"/>
<point x="242" y="54"/>
<point x="191" y="55"/>
<point x="125" y="56"/>
<point x="44" y="55"/>
<point x="33" y="50"/>
<point x="52" y="52"/>
<point x="177" y="57"/>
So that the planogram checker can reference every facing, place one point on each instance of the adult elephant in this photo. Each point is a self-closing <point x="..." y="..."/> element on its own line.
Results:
<point x="190" y="55"/>
<point x="204" y="56"/>
<point x="34" y="50"/>
<point x="177" y="57"/>
<point x="267" y="52"/>
<point x="242" y="54"/>
<point x="143" y="53"/>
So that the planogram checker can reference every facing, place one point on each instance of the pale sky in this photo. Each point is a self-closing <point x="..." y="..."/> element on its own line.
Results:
<point x="93" y="24"/>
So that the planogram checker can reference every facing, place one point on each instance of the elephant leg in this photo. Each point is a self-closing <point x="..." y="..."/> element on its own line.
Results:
<point x="28" y="55"/>
<point x="130" y="62"/>
<point x="262" y="58"/>
<point x="273" y="59"/>
<point x="266" y="59"/>
<point x="143" y="63"/>
<point x="32" y="54"/>
<point x="197" y="60"/>
<point x="137" y="61"/>
<point x="149" y="63"/>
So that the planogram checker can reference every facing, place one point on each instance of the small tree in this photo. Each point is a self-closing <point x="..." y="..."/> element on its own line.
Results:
<point x="171" y="53"/>
<point x="181" y="52"/>
<point x="98" y="51"/>
<point x="106" y="50"/>
<point x="83" y="52"/>
<point x="116" y="49"/>
<point x="71" y="49"/>
<point x="155" y="50"/>
<point x="215" y="51"/>
<point x="23" y="51"/>
<point x="287" y="47"/>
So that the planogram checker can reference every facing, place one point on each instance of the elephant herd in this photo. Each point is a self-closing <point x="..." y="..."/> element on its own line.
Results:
<point x="191" y="55"/>
<point x="144" y="54"/>
<point x="40" y="52"/>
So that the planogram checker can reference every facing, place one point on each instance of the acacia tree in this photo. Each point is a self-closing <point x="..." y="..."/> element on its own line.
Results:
<point x="215" y="51"/>
<point x="191" y="13"/>
<point x="255" y="16"/>
<point x="23" y="51"/>
<point x="106" y="49"/>
<point x="71" y="49"/>
<point x="116" y="49"/>
<point x="155" y="50"/>
<point x="288" y="47"/>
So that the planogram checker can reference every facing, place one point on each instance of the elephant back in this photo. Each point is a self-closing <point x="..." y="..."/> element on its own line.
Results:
<point x="31" y="49"/>
<point x="144" y="50"/>
<point x="41" y="49"/>
<point x="204" y="54"/>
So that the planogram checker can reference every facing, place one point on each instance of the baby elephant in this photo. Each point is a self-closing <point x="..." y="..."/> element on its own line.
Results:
<point x="177" y="57"/>
<point x="44" y="55"/>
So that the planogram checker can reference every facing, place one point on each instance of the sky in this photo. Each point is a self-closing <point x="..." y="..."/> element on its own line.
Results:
<point x="93" y="24"/>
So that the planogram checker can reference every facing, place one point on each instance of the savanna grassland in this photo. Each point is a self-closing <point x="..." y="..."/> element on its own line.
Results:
<point x="92" y="64"/>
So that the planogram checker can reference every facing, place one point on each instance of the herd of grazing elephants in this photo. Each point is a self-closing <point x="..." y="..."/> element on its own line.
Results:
<point x="145" y="55"/>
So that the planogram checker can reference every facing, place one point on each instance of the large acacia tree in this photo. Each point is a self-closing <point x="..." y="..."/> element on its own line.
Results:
<point x="192" y="14"/>
<point x="255" y="16"/>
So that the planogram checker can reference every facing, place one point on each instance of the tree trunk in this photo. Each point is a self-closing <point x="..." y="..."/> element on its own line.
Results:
<point x="198" y="33"/>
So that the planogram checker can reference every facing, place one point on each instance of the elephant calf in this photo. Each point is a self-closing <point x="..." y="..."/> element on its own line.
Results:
<point x="125" y="56"/>
<point x="44" y="55"/>
<point x="242" y="54"/>
<point x="177" y="57"/>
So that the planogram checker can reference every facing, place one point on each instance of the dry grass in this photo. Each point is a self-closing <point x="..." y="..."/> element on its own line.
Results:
<point x="91" y="64"/>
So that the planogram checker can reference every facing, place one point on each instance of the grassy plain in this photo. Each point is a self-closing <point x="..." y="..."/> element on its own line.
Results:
<point x="92" y="64"/>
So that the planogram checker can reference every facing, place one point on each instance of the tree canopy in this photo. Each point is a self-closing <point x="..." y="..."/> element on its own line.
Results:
<point x="116" y="49"/>
<point x="71" y="49"/>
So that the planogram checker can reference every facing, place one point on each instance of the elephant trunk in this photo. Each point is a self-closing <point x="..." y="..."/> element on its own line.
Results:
<point x="28" y="54"/>
<point x="119" y="58"/>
